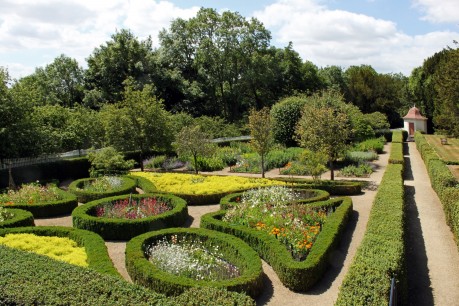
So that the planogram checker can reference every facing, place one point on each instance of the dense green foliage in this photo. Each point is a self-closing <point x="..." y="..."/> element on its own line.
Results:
<point x="84" y="217"/>
<point x="77" y="188"/>
<point x="261" y="133"/>
<point x="296" y="275"/>
<point x="234" y="250"/>
<point x="20" y="218"/>
<point x="286" y="114"/>
<point x="108" y="161"/>
<point x="381" y="254"/>
<point x="396" y="153"/>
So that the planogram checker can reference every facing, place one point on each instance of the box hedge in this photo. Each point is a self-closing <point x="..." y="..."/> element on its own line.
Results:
<point x="396" y="153"/>
<point x="98" y="258"/>
<point x="381" y="255"/>
<point x="124" y="229"/>
<point x="234" y="250"/>
<point x="336" y="188"/>
<point x="60" y="207"/>
<point x="296" y="275"/>
<point x="128" y="185"/>
<point x="20" y="218"/>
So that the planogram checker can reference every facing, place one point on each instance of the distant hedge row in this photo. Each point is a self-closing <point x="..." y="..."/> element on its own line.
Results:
<point x="443" y="182"/>
<point x="396" y="153"/>
<point x="381" y="254"/>
<point x="336" y="188"/>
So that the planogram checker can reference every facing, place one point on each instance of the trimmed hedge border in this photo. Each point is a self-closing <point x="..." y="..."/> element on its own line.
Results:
<point x="381" y="254"/>
<point x="336" y="188"/>
<point x="125" y="229"/>
<point x="20" y="218"/>
<point x="128" y="186"/>
<point x="52" y="208"/>
<point x="143" y="183"/>
<point x="296" y="275"/>
<point x="318" y="195"/>
<point x="94" y="245"/>
<point x="396" y="152"/>
<point x="443" y="182"/>
<point x="235" y="250"/>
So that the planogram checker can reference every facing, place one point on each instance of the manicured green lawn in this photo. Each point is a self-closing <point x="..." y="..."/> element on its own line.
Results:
<point x="449" y="152"/>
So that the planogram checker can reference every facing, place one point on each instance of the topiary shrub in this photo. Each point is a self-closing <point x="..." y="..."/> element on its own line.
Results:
<point x="234" y="250"/>
<point x="296" y="275"/>
<point x="84" y="217"/>
<point x="126" y="186"/>
<point x="96" y="251"/>
<point x="19" y="218"/>
<point x="286" y="114"/>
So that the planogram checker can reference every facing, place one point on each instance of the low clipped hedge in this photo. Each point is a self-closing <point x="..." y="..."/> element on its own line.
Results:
<point x="143" y="183"/>
<point x="443" y="182"/>
<point x="396" y="153"/>
<point x="296" y="275"/>
<point x="314" y="195"/>
<point x="235" y="251"/>
<point x="98" y="258"/>
<point x="124" y="229"/>
<point x="20" y="218"/>
<point x="336" y="188"/>
<point x="84" y="196"/>
<point x="381" y="255"/>
<point x="60" y="207"/>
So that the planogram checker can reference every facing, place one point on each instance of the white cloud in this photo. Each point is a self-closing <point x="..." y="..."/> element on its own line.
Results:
<point x="338" y="37"/>
<point x="439" y="11"/>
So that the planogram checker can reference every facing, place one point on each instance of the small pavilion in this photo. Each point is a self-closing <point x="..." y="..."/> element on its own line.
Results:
<point x="414" y="121"/>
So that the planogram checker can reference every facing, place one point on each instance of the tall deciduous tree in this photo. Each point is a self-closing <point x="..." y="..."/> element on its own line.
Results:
<point x="324" y="128"/>
<point x="261" y="133"/>
<point x="138" y="123"/>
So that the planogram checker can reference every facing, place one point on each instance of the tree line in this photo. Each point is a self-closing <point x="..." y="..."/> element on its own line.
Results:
<point x="213" y="68"/>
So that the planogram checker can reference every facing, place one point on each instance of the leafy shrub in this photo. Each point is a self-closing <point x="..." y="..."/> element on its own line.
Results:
<point x="85" y="193"/>
<point x="362" y="170"/>
<point x="15" y="217"/>
<point x="234" y="250"/>
<point x="212" y="163"/>
<point x="108" y="161"/>
<point x="155" y="162"/>
<point x="286" y="114"/>
<point x="85" y="217"/>
<point x="5" y="214"/>
<point x="248" y="163"/>
<point x="371" y="145"/>
<point x="358" y="157"/>
<point x="228" y="155"/>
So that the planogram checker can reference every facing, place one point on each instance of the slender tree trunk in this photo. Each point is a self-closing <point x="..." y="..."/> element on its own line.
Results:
<point x="332" y="171"/>
<point x="262" y="165"/>
<point x="195" y="157"/>
<point x="141" y="160"/>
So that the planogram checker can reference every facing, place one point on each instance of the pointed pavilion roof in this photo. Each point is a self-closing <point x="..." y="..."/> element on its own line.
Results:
<point x="414" y="113"/>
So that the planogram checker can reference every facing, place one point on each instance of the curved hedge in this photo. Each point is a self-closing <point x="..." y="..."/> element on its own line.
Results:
<point x="128" y="186"/>
<point x="124" y="229"/>
<point x="314" y="195"/>
<point x="51" y="208"/>
<point x="143" y="183"/>
<point x="235" y="250"/>
<point x="296" y="275"/>
<point x="20" y="218"/>
<point x="98" y="258"/>
<point x="337" y="188"/>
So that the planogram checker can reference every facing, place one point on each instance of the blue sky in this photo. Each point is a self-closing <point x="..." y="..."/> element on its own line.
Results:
<point x="392" y="36"/>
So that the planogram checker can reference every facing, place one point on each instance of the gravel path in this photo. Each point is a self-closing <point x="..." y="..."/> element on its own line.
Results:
<point x="433" y="265"/>
<point x="323" y="293"/>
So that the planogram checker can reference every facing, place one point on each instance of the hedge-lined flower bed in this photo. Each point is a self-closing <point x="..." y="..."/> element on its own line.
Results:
<point x="235" y="251"/>
<point x="296" y="275"/>
<point x="41" y="201"/>
<point x="381" y="254"/>
<point x="201" y="189"/>
<point x="90" y="189"/>
<point x="16" y="218"/>
<point x="443" y="182"/>
<point x="336" y="188"/>
<point x="94" y="245"/>
<point x="85" y="217"/>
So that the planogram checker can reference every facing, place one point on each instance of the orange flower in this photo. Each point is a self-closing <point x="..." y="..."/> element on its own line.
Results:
<point x="275" y="231"/>
<point x="260" y="225"/>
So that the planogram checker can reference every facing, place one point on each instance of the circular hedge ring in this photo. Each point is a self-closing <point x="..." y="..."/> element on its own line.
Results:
<point x="128" y="185"/>
<point x="84" y="217"/>
<point x="20" y="218"/>
<point x="60" y="207"/>
<point x="234" y="250"/>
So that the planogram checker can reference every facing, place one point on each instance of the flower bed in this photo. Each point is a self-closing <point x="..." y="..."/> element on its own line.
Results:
<point x="123" y="225"/>
<point x="90" y="189"/>
<point x="294" y="274"/>
<point x="233" y="250"/>
<point x="97" y="255"/>
<point x="41" y="201"/>
<point x="200" y="189"/>
<point x="15" y="217"/>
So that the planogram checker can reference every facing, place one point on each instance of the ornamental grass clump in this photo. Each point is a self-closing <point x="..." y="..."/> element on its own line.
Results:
<point x="190" y="257"/>
<point x="5" y="214"/>
<point x="30" y="194"/>
<point x="133" y="208"/>
<point x="275" y="210"/>
<point x="59" y="248"/>
<point x="102" y="184"/>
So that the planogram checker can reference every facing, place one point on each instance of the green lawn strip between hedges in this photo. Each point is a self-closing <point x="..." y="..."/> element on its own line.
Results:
<point x="20" y="218"/>
<point x="381" y="254"/>
<point x="296" y="275"/>
<point x="128" y="186"/>
<point x="98" y="258"/>
<point x="443" y="182"/>
<point x="51" y="208"/>
<point x="125" y="229"/>
<point x="235" y="251"/>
